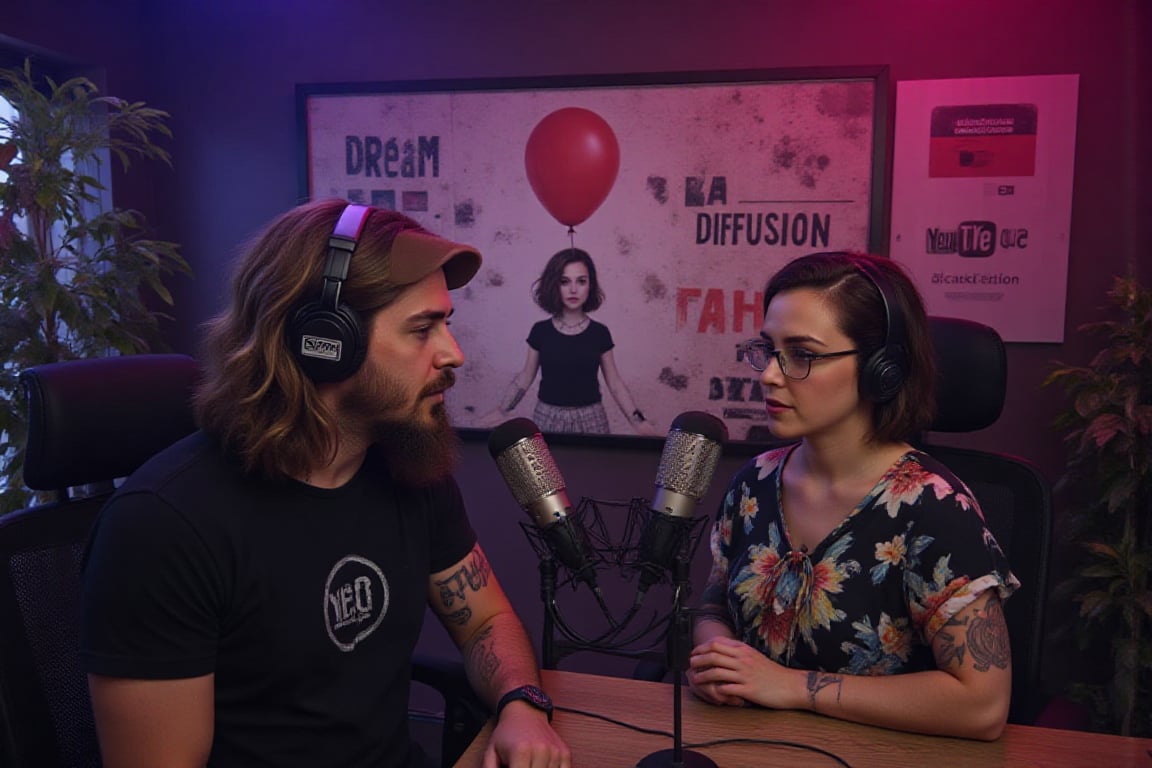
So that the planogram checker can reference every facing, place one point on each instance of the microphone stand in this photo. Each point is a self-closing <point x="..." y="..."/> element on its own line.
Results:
<point x="548" y="597"/>
<point x="679" y="646"/>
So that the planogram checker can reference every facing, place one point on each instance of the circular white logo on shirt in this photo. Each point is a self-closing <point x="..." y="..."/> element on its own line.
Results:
<point x="355" y="601"/>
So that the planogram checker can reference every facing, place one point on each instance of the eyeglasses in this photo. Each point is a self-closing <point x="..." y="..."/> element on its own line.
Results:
<point x="794" y="363"/>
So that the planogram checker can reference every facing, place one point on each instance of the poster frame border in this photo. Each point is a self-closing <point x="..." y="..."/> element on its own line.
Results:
<point x="879" y="186"/>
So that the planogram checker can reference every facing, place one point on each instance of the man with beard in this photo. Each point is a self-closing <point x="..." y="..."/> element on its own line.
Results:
<point x="253" y="594"/>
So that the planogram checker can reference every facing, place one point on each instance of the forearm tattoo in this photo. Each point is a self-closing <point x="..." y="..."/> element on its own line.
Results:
<point x="470" y="577"/>
<point x="818" y="681"/>
<point x="514" y="397"/>
<point x="482" y="655"/>
<point x="986" y="640"/>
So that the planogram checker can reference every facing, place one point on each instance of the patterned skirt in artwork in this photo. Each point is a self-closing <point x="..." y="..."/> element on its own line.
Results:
<point x="582" y="419"/>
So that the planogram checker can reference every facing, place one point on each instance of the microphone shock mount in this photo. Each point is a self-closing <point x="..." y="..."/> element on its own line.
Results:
<point x="615" y="533"/>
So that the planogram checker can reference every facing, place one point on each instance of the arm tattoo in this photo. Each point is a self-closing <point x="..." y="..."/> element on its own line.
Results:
<point x="483" y="656"/>
<point x="986" y="640"/>
<point x="949" y="649"/>
<point x="515" y="395"/>
<point x="460" y="617"/>
<point x="818" y="681"/>
<point x="472" y="576"/>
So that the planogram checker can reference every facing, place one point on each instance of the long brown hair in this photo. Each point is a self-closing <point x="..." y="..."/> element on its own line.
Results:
<point x="254" y="398"/>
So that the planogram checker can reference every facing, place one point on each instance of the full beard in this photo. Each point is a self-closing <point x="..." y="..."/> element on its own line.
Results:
<point x="418" y="452"/>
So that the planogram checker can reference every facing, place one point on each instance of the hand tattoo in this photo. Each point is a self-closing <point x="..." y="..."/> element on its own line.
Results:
<point x="818" y="681"/>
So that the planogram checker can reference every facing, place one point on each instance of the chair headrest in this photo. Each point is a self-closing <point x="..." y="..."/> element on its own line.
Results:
<point x="99" y="419"/>
<point x="972" y="372"/>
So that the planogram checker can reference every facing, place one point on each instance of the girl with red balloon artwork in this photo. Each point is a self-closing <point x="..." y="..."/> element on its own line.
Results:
<point x="570" y="349"/>
<point x="571" y="158"/>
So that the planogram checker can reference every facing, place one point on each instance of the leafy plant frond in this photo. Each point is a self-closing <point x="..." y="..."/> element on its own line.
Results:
<point x="79" y="282"/>
<point x="1107" y="427"/>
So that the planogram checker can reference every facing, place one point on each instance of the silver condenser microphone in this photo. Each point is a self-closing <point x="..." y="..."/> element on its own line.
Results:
<point x="531" y="474"/>
<point x="691" y="452"/>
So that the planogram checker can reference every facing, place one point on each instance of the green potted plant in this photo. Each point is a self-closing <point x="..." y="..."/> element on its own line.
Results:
<point x="77" y="279"/>
<point x="1108" y="485"/>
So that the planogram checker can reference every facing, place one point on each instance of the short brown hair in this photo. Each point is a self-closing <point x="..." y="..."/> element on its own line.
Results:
<point x="546" y="292"/>
<point x="254" y="397"/>
<point x="859" y="309"/>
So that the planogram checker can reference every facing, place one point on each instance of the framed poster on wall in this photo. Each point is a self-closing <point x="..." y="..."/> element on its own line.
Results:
<point x="721" y="178"/>
<point x="982" y="198"/>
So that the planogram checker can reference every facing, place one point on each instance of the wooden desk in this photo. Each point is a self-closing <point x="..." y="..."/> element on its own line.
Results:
<point x="598" y="744"/>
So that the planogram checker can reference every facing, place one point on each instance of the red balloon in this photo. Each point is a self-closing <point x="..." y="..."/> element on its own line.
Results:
<point x="572" y="159"/>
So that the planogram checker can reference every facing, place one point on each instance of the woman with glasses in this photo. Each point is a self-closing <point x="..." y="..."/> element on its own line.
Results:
<point x="852" y="574"/>
<point x="569" y="350"/>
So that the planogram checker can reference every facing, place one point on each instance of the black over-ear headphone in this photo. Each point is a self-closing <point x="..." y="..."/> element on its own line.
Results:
<point x="883" y="373"/>
<point x="326" y="336"/>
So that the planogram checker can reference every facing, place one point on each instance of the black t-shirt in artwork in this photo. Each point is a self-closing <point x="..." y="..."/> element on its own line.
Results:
<point x="570" y="364"/>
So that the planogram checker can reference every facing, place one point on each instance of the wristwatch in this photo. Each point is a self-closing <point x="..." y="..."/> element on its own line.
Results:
<point x="529" y="693"/>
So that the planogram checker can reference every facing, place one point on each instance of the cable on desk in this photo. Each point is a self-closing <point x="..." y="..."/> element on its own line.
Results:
<point x="773" y="742"/>
<point x="613" y="721"/>
<point x="702" y="744"/>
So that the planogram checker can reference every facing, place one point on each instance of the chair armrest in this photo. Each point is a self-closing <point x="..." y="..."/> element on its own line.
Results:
<point x="464" y="712"/>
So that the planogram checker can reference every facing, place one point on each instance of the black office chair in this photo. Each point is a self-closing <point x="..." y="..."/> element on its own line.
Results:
<point x="91" y="422"/>
<point x="1016" y="500"/>
<point x="1013" y="494"/>
<point x="464" y="714"/>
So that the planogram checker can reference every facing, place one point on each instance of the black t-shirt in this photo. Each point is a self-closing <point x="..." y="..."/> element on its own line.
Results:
<point x="305" y="603"/>
<point x="569" y="364"/>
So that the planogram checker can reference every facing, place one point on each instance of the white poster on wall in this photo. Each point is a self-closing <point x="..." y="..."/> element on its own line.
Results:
<point x="982" y="198"/>
<point x="719" y="184"/>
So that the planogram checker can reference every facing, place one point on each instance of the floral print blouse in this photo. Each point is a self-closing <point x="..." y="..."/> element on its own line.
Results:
<point x="869" y="598"/>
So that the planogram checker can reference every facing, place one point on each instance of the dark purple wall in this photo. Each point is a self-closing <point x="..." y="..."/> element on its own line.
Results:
<point x="227" y="75"/>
